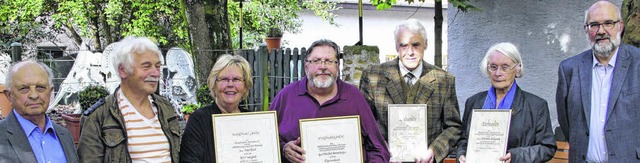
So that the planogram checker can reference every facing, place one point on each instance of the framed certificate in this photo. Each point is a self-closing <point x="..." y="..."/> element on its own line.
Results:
<point x="246" y="137"/>
<point x="407" y="131"/>
<point x="488" y="135"/>
<point x="332" y="139"/>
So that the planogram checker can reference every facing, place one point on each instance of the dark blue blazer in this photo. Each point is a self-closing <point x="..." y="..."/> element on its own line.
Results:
<point x="15" y="147"/>
<point x="573" y="99"/>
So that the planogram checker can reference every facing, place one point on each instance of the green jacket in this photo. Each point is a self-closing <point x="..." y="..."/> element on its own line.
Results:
<point x="103" y="137"/>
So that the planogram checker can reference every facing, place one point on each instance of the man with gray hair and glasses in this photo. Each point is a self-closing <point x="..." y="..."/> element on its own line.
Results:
<point x="598" y="92"/>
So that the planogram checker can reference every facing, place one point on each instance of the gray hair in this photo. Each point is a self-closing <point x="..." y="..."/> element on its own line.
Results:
<point x="323" y="42"/>
<point x="412" y="25"/>
<point x="127" y="47"/>
<point x="15" y="66"/>
<point x="506" y="49"/>
<point x="225" y="61"/>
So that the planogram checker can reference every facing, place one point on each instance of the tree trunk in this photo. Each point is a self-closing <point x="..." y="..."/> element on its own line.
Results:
<point x="107" y="30"/>
<point x="209" y="31"/>
<point x="438" y="33"/>
<point x="74" y="34"/>
<point x="631" y="17"/>
<point x="96" y="33"/>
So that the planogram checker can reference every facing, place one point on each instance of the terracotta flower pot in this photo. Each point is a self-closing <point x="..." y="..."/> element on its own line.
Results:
<point x="273" y="42"/>
<point x="72" y="122"/>
<point x="5" y="104"/>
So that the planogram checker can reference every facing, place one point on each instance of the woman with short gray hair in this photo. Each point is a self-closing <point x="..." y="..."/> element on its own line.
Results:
<point x="530" y="136"/>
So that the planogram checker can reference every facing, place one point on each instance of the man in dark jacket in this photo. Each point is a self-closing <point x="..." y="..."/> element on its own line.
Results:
<point x="132" y="123"/>
<point x="598" y="92"/>
<point x="28" y="134"/>
<point x="410" y="80"/>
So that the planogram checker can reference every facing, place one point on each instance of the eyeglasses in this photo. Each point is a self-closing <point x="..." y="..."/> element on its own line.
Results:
<point x="504" y="68"/>
<point x="325" y="62"/>
<point x="593" y="26"/>
<point x="225" y="81"/>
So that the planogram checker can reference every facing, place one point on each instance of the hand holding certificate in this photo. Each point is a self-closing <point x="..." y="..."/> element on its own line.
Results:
<point x="407" y="131"/>
<point x="246" y="137"/>
<point x="333" y="139"/>
<point x="488" y="135"/>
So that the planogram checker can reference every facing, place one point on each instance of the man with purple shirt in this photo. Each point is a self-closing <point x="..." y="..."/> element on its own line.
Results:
<point x="322" y="94"/>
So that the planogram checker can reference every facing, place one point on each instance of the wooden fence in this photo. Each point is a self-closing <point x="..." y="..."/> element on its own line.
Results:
<point x="272" y="70"/>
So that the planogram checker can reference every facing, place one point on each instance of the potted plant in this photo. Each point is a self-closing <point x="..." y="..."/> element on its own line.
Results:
<point x="259" y="17"/>
<point x="87" y="97"/>
<point x="188" y="109"/>
<point x="273" y="38"/>
<point x="275" y="18"/>
<point x="266" y="20"/>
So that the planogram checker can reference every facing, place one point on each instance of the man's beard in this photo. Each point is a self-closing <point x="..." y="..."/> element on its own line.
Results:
<point x="605" y="49"/>
<point x="323" y="84"/>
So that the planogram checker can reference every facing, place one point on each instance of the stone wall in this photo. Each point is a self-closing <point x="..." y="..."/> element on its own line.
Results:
<point x="356" y="59"/>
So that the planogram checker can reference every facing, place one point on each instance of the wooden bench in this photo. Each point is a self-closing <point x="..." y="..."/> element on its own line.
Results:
<point x="562" y="154"/>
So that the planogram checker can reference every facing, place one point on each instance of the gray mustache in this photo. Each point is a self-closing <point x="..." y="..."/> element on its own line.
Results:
<point x="151" y="79"/>
<point x="602" y="37"/>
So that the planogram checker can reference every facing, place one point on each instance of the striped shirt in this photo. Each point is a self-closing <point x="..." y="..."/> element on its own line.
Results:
<point x="146" y="141"/>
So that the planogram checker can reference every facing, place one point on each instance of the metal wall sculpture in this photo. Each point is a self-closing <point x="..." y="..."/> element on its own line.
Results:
<point x="178" y="83"/>
<point x="85" y="71"/>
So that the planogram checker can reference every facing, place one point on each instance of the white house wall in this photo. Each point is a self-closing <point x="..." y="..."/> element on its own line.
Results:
<point x="378" y="27"/>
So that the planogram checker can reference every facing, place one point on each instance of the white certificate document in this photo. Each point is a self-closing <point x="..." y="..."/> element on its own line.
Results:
<point x="332" y="139"/>
<point x="246" y="137"/>
<point x="488" y="135"/>
<point x="407" y="131"/>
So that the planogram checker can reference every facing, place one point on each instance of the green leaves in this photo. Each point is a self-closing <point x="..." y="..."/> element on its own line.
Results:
<point x="111" y="20"/>
<point x="323" y="9"/>
<point x="383" y="4"/>
<point x="264" y="18"/>
<point x="189" y="108"/>
<point x="106" y="21"/>
<point x="203" y="95"/>
<point x="24" y="21"/>
<point x="20" y="10"/>
<point x="462" y="5"/>
<point x="91" y="95"/>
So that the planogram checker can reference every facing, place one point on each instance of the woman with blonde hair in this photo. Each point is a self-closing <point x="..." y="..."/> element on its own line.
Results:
<point x="228" y="82"/>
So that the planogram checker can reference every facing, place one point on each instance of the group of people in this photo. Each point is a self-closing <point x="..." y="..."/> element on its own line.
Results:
<point x="595" y="104"/>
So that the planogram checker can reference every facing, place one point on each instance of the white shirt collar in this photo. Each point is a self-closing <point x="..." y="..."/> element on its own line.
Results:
<point x="125" y="100"/>
<point x="612" y="61"/>
<point x="403" y="70"/>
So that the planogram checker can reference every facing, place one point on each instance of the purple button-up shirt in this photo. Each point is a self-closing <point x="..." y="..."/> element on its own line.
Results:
<point x="46" y="146"/>
<point x="294" y="102"/>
